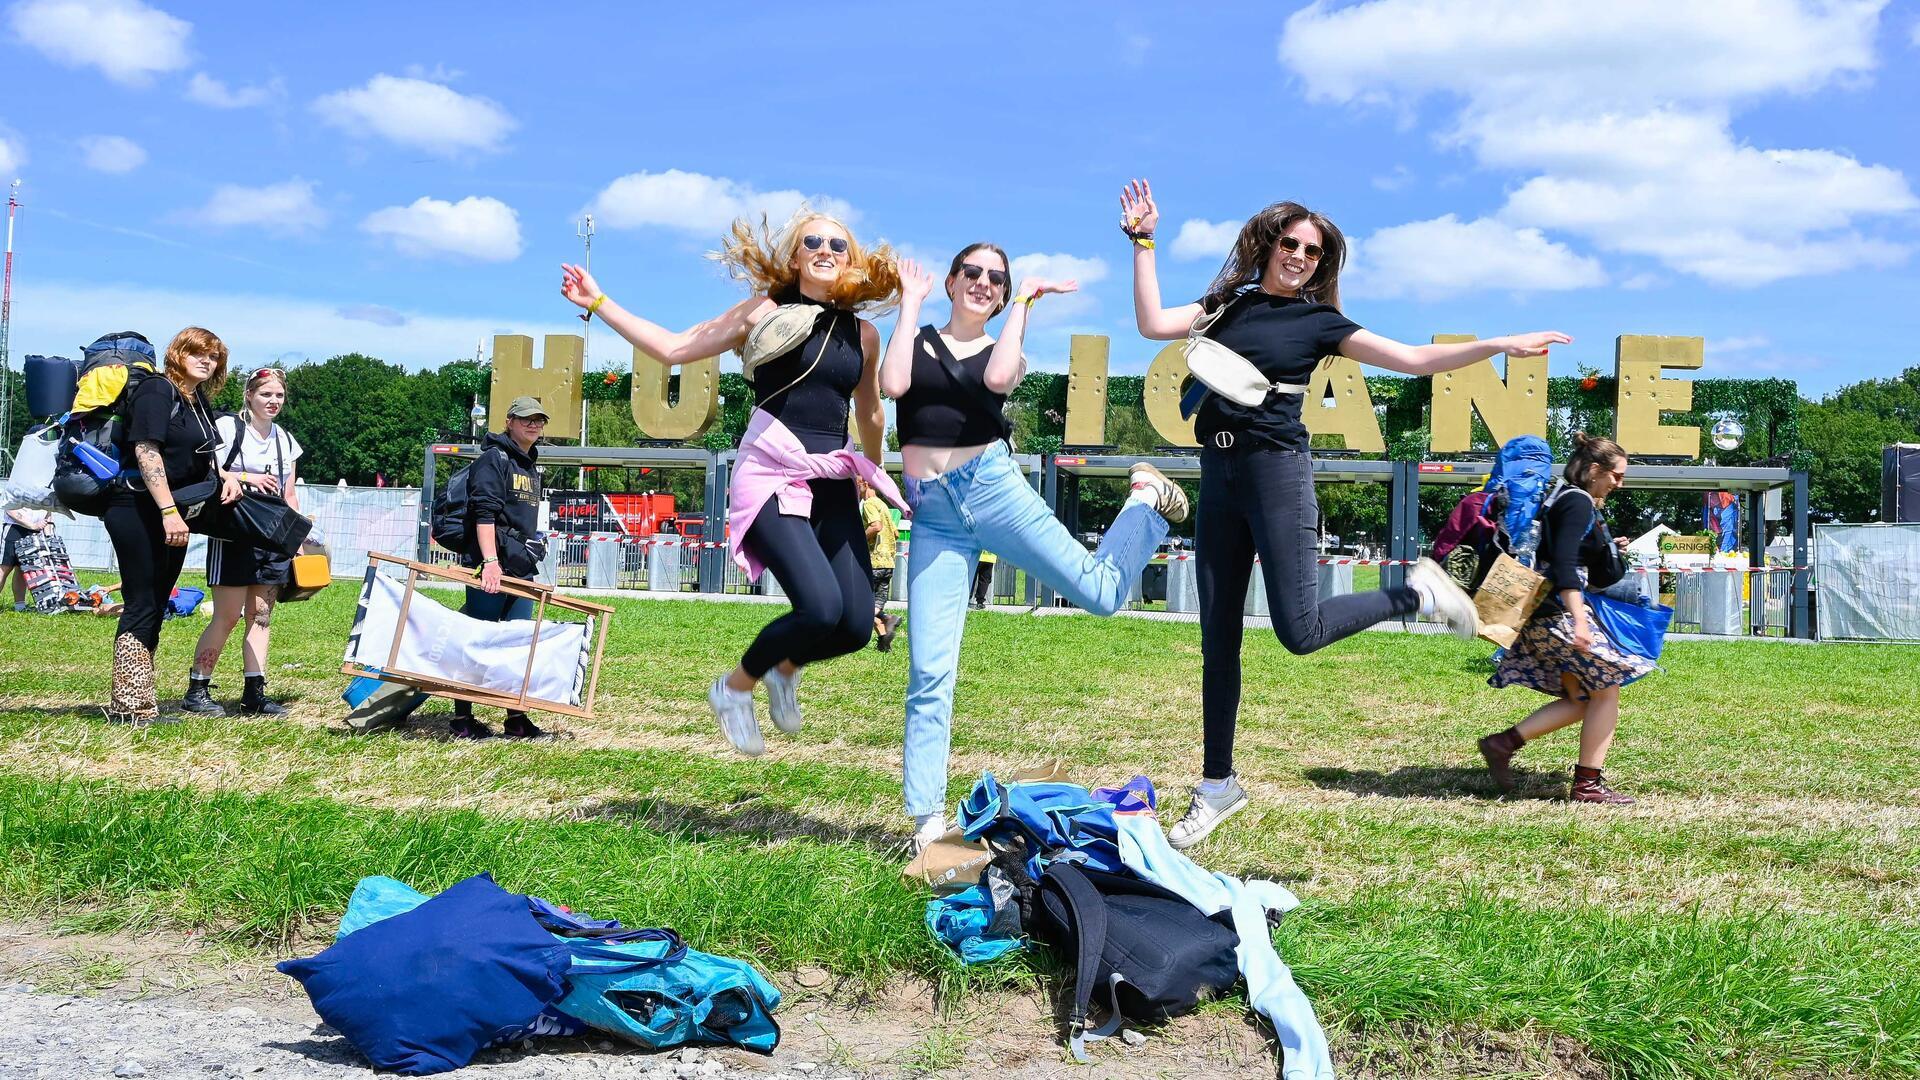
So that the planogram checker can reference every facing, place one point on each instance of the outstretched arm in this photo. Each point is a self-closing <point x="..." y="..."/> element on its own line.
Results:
<point x="1139" y="214"/>
<point x="1370" y="348"/>
<point x="1007" y="364"/>
<point x="698" y="342"/>
<point x="896" y="367"/>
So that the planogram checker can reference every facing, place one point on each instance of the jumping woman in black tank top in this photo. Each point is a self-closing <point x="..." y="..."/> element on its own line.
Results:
<point x="792" y="508"/>
<point x="1281" y="291"/>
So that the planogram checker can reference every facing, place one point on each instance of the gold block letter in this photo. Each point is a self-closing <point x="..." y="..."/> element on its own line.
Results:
<point x="1644" y="395"/>
<point x="1352" y="415"/>
<point x="686" y="418"/>
<point x="1511" y="408"/>
<point x="1161" y="396"/>
<point x="1086" y="390"/>
<point x="556" y="382"/>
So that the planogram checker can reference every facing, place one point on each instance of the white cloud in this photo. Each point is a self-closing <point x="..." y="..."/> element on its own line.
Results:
<point x="127" y="40"/>
<point x="1620" y="120"/>
<point x="695" y="202"/>
<point x="418" y="113"/>
<point x="13" y="155"/>
<point x="482" y="229"/>
<point x="1431" y="260"/>
<point x="257" y="326"/>
<point x="208" y="90"/>
<point x="1054" y="309"/>
<point x="112" y="153"/>
<point x="286" y="207"/>
<point x="1199" y="239"/>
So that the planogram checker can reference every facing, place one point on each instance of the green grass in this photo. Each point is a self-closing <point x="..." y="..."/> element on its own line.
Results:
<point x="1757" y="914"/>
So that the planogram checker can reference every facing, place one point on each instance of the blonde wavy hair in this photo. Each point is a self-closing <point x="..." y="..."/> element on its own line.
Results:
<point x="763" y="258"/>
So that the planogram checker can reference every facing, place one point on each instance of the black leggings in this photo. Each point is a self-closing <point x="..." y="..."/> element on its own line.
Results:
<point x="149" y="569"/>
<point x="821" y="561"/>
<point x="1261" y="501"/>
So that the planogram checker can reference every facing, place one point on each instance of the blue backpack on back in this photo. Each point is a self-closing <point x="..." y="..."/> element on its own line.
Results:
<point x="1523" y="472"/>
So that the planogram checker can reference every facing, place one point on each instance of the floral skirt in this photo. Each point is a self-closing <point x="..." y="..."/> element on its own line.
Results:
<point x="1545" y="650"/>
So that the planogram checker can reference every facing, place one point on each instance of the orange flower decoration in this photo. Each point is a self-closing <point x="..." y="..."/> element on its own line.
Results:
<point x="1589" y="382"/>
<point x="611" y="378"/>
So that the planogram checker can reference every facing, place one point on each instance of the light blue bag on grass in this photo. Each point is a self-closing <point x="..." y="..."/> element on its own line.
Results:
<point x="659" y="993"/>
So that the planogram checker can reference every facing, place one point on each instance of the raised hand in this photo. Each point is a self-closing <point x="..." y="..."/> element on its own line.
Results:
<point x="1534" y="344"/>
<point x="577" y="285"/>
<point x="1137" y="210"/>
<point x="1038" y="287"/>
<point x="916" y="283"/>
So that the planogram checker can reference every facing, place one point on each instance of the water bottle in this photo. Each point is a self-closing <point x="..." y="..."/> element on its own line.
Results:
<point x="1527" y="545"/>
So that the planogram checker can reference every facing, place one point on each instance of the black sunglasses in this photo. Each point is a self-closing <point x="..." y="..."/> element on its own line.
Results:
<point x="812" y="243"/>
<point x="972" y="272"/>
<point x="1291" y="244"/>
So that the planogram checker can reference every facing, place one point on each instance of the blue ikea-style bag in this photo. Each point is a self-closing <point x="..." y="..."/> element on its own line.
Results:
<point x="1639" y="627"/>
<point x="1059" y="821"/>
<point x="423" y="990"/>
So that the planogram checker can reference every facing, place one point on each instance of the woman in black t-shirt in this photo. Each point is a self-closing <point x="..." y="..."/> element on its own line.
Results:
<point x="1280" y="289"/>
<point x="1564" y="650"/>
<point x="169" y="442"/>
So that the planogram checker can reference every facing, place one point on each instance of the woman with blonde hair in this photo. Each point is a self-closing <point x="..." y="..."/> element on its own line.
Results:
<point x="1276" y="303"/>
<point x="170" y="438"/>
<point x="792" y="507"/>
<point x="1564" y="651"/>
<point x="246" y="580"/>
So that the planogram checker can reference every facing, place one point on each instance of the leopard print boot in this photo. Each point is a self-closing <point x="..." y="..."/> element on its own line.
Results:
<point x="135" y="698"/>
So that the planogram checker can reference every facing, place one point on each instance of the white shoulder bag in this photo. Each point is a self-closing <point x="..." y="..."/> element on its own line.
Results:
<point x="1225" y="372"/>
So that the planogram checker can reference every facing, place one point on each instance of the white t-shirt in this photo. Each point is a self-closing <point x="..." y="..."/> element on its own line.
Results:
<point x="257" y="454"/>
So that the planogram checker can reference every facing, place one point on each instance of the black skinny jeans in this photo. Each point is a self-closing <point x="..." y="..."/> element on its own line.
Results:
<point x="821" y="561"/>
<point x="1261" y="501"/>
<point x="149" y="569"/>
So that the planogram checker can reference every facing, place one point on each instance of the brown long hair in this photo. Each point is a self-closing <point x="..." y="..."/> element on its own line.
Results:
<point x="196" y="341"/>
<point x="1251" y="250"/>
<point x="1588" y="451"/>
<point x="1006" y="293"/>
<point x="763" y="258"/>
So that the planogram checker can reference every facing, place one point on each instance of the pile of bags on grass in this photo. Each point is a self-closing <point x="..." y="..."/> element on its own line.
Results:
<point x="419" y="985"/>
<point x="1147" y="932"/>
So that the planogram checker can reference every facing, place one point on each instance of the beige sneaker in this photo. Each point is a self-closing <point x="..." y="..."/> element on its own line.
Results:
<point x="1168" y="497"/>
<point x="1450" y="601"/>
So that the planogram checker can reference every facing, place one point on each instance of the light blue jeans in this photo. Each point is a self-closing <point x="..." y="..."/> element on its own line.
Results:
<point x="987" y="505"/>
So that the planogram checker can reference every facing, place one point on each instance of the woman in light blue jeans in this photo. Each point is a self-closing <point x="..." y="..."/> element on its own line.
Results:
<point x="950" y="386"/>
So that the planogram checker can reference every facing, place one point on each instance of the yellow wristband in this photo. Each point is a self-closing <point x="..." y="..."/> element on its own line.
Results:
<point x="165" y="510"/>
<point x="1027" y="300"/>
<point x="595" y="306"/>
<point x="1144" y="241"/>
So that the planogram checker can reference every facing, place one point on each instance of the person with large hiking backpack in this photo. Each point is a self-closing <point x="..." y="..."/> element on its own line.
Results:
<point x="1565" y="650"/>
<point x="489" y="515"/>
<point x="1265" y="324"/>
<point x="168" y="436"/>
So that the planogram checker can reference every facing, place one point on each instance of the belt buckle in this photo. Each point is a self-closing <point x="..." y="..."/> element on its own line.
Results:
<point x="1223" y="439"/>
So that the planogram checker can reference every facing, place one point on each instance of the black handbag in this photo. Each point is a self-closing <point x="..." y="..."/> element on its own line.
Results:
<point x="256" y="519"/>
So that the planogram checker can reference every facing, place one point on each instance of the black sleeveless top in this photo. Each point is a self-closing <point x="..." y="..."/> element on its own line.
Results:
<point x="936" y="411"/>
<point x="816" y="408"/>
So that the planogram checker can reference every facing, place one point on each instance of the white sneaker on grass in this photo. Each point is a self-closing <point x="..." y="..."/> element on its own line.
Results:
<point x="783" y="699"/>
<point x="734" y="709"/>
<point x="1209" y="809"/>
<point x="1448" y="599"/>
<point x="929" y="829"/>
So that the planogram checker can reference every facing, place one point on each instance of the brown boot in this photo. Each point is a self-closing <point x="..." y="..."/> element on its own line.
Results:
<point x="1499" y="748"/>
<point x="1590" y="785"/>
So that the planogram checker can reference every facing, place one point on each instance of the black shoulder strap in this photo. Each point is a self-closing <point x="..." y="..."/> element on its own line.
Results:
<point x="235" y="452"/>
<point x="1087" y="916"/>
<point x="977" y="388"/>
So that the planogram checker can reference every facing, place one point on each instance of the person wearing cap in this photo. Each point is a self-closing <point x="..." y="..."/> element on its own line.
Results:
<point x="503" y="495"/>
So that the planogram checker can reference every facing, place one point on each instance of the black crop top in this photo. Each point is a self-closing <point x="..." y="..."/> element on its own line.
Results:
<point x="936" y="411"/>
<point x="1285" y="337"/>
<point x="815" y="409"/>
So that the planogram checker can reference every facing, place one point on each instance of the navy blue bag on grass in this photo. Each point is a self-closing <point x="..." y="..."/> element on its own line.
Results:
<point x="421" y="992"/>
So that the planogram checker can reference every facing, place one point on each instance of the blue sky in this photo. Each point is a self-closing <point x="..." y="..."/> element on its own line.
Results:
<point x="403" y="181"/>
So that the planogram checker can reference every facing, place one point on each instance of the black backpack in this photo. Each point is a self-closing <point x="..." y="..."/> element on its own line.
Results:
<point x="111" y="371"/>
<point x="451" y="523"/>
<point x="1149" y="953"/>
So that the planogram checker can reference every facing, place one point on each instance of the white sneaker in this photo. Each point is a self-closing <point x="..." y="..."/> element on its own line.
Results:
<point x="734" y="709"/>
<point x="1168" y="497"/>
<point x="930" y="830"/>
<point x="1206" y="814"/>
<point x="783" y="699"/>
<point x="1450" y="601"/>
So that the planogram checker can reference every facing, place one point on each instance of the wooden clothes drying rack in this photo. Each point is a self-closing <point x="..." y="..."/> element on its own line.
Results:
<point x="543" y="596"/>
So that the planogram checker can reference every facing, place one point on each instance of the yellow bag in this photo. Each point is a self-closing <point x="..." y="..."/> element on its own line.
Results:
<point x="311" y="573"/>
<point x="1507" y="599"/>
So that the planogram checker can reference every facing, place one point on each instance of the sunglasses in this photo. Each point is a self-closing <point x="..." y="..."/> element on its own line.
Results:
<point x="972" y="272"/>
<point x="262" y="373"/>
<point x="837" y="245"/>
<point x="1291" y="244"/>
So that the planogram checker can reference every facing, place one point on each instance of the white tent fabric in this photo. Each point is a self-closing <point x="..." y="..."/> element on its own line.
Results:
<point x="1869" y="580"/>
<point x="447" y="645"/>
